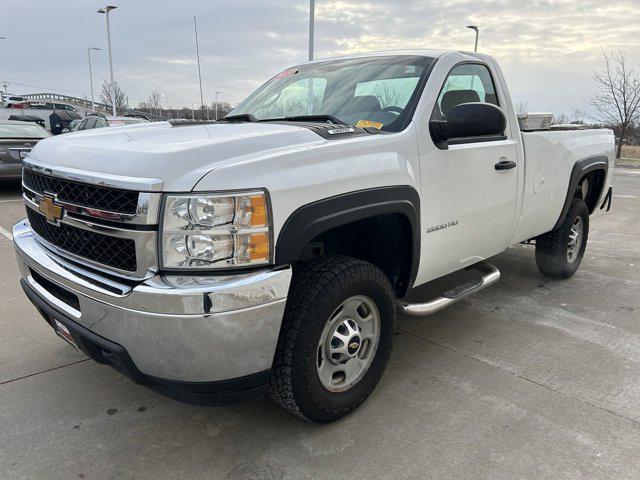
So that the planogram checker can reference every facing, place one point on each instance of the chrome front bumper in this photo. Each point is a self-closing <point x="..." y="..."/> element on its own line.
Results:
<point x="178" y="328"/>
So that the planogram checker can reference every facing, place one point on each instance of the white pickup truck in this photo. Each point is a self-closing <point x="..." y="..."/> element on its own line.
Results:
<point x="271" y="251"/>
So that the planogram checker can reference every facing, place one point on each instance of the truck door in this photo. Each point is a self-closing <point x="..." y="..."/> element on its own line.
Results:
<point x="469" y="188"/>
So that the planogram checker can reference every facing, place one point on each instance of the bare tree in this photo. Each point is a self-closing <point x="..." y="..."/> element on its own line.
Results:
<point x="387" y="96"/>
<point x="122" y="101"/>
<point x="223" y="108"/>
<point x="617" y="98"/>
<point x="153" y="102"/>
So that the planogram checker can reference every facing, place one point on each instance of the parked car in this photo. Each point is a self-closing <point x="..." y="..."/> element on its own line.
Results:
<point x="271" y="251"/>
<point x="73" y="125"/>
<point x="17" y="138"/>
<point x="61" y="119"/>
<point x="96" y="121"/>
<point x="51" y="106"/>
<point x="28" y="118"/>
<point x="14" y="101"/>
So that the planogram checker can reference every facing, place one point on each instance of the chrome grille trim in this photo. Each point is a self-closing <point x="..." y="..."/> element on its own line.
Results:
<point x="145" y="242"/>
<point x="95" y="178"/>
<point x="147" y="210"/>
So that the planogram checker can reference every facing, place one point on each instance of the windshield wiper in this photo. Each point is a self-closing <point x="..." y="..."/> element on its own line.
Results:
<point x="308" y="118"/>
<point x="242" y="117"/>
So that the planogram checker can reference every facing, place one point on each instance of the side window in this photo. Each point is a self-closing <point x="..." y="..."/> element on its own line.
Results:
<point x="82" y="124"/>
<point x="294" y="99"/>
<point x="100" y="123"/>
<point x="465" y="83"/>
<point x="91" y="123"/>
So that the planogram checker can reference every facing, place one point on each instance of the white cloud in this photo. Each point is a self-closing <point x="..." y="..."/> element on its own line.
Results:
<point x="548" y="48"/>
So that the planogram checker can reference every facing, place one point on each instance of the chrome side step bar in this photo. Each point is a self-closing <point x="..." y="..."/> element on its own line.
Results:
<point x="490" y="275"/>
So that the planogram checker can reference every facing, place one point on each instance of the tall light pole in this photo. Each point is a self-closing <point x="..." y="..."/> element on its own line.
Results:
<point x="93" y="105"/>
<point x="195" y="28"/>
<point x="216" y="97"/>
<point x="477" y="30"/>
<point x="312" y="8"/>
<point x="106" y="11"/>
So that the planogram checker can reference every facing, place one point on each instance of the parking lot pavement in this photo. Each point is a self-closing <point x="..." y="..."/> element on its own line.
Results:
<point x="531" y="378"/>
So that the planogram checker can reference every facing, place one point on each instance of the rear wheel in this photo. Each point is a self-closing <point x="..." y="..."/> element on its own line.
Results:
<point x="560" y="251"/>
<point x="335" y="340"/>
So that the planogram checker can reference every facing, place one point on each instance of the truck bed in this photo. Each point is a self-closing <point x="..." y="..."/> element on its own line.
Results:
<point x="550" y="156"/>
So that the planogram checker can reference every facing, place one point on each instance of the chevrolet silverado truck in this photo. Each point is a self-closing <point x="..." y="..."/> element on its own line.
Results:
<point x="271" y="251"/>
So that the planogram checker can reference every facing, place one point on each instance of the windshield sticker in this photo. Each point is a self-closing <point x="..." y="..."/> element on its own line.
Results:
<point x="410" y="69"/>
<point x="369" y="123"/>
<point x="286" y="73"/>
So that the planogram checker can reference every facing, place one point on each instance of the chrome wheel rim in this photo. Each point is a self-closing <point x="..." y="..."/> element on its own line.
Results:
<point x="575" y="240"/>
<point x="348" y="343"/>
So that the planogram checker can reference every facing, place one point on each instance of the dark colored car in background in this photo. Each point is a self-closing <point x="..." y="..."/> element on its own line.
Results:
<point x="16" y="141"/>
<point x="28" y="118"/>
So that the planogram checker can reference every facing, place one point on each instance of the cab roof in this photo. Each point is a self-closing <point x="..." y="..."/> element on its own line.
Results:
<point x="422" y="52"/>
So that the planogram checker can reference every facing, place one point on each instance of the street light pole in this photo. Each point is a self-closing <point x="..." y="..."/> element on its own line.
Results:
<point x="216" y="97"/>
<point x="106" y="11"/>
<point x="477" y="30"/>
<point x="195" y="27"/>
<point x="93" y="105"/>
<point x="312" y="8"/>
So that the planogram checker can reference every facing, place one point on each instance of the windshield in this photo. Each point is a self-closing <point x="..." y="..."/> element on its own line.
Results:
<point x="22" y="131"/>
<point x="379" y="92"/>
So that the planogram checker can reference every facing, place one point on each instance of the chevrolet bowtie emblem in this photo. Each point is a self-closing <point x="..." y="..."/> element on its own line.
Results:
<point x="50" y="210"/>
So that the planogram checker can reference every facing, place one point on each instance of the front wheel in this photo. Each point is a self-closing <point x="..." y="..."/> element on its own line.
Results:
<point x="560" y="251"/>
<point x="336" y="338"/>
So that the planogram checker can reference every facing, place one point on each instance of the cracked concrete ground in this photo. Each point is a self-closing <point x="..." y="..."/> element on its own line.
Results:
<point x="530" y="379"/>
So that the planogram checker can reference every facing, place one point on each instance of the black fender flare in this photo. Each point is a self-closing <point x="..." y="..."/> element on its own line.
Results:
<point x="580" y="169"/>
<point x="313" y="219"/>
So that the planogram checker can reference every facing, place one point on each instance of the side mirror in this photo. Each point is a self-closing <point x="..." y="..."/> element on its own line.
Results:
<point x="469" y="120"/>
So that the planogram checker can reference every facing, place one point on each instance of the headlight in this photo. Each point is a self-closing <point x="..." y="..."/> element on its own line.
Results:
<point x="215" y="231"/>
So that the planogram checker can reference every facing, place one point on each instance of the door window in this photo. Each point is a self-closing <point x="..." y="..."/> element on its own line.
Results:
<point x="465" y="83"/>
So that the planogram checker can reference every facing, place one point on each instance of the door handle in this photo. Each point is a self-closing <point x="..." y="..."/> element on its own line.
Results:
<point x="505" y="164"/>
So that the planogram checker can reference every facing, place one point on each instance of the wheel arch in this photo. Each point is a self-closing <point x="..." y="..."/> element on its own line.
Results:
<point x="595" y="166"/>
<point x="397" y="207"/>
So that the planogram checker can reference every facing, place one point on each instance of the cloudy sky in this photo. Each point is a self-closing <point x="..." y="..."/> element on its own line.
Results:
<point x="548" y="48"/>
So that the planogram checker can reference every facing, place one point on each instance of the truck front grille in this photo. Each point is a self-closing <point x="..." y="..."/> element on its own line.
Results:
<point x="107" y="250"/>
<point x="91" y="196"/>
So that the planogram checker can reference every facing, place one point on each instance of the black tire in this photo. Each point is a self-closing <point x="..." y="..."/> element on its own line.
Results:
<point x="552" y="247"/>
<point x="318" y="288"/>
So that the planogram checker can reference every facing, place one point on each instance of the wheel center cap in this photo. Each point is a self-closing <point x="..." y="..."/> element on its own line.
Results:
<point x="354" y="345"/>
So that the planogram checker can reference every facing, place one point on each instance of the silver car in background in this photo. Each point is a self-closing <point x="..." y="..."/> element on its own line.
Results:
<point x="97" y="121"/>
<point x="16" y="141"/>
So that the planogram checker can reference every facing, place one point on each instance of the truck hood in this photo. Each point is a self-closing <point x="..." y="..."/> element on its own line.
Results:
<point x="179" y="156"/>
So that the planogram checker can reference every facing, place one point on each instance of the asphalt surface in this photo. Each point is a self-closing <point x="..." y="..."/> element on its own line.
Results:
<point x="530" y="379"/>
